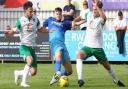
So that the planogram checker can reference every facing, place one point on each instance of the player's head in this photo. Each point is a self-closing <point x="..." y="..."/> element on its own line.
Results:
<point x="28" y="9"/>
<point x="85" y="4"/>
<point x="95" y="12"/>
<point x="120" y="15"/>
<point x="69" y="2"/>
<point x="99" y="4"/>
<point x="34" y="11"/>
<point x="58" y="13"/>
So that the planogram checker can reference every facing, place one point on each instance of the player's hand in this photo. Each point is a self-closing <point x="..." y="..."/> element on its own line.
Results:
<point x="99" y="4"/>
<point x="9" y="33"/>
<point x="52" y="30"/>
<point x="73" y="25"/>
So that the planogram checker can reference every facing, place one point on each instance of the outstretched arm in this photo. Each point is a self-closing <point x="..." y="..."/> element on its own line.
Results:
<point x="44" y="30"/>
<point x="10" y="31"/>
<point x="99" y="6"/>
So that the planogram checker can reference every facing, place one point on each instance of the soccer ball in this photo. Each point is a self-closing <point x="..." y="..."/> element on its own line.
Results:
<point x="63" y="81"/>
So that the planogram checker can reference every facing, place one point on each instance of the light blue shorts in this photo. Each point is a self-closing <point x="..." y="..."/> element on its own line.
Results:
<point x="60" y="46"/>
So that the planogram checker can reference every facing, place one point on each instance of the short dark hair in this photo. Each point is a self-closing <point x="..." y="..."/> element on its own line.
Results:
<point x="58" y="9"/>
<point x="99" y="4"/>
<point x="120" y="13"/>
<point x="27" y="5"/>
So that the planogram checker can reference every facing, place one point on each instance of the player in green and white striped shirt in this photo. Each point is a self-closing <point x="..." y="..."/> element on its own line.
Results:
<point x="27" y="26"/>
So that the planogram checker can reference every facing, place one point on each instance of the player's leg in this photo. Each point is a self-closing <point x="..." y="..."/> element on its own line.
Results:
<point x="26" y="52"/>
<point x="32" y="67"/>
<point x="66" y="63"/>
<point x="67" y="68"/>
<point x="58" y="58"/>
<point x="84" y="53"/>
<point x="100" y="55"/>
<point x="57" y="67"/>
<point x="26" y="71"/>
<point x="112" y="73"/>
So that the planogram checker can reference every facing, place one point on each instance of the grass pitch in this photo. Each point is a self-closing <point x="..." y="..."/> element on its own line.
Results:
<point x="95" y="76"/>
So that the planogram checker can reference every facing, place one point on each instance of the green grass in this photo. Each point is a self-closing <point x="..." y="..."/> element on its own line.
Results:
<point x="94" y="75"/>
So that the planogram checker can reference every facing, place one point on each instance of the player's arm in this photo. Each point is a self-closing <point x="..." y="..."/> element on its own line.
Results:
<point x="74" y="24"/>
<point x="11" y="31"/>
<point x="44" y="29"/>
<point x="79" y="20"/>
<point x="99" y="6"/>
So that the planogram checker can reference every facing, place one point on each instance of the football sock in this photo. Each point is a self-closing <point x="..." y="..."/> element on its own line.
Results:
<point x="112" y="74"/>
<point x="64" y="72"/>
<point x="79" y="68"/>
<point x="25" y="73"/>
<point x="57" y="65"/>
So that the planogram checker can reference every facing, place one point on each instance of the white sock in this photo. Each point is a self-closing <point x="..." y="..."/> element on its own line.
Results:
<point x="79" y="68"/>
<point x="25" y="73"/>
<point x="20" y="72"/>
<point x="112" y="74"/>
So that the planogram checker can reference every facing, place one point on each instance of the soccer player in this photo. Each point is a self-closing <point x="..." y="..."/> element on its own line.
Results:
<point x="27" y="25"/>
<point x="93" y="44"/>
<point x="57" y="43"/>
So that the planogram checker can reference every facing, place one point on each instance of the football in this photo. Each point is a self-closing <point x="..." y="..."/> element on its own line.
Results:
<point x="63" y="81"/>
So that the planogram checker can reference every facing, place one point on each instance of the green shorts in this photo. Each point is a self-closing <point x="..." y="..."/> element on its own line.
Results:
<point x="28" y="51"/>
<point x="98" y="53"/>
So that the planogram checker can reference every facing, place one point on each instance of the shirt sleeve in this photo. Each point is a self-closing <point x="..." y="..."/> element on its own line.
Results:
<point x="102" y="21"/>
<point x="18" y="25"/>
<point x="45" y="23"/>
<point x="38" y="24"/>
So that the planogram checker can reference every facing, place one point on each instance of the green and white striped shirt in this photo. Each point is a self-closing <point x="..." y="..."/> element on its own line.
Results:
<point x="27" y="28"/>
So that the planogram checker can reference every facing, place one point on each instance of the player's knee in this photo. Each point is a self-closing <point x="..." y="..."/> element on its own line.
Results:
<point x="34" y="73"/>
<point x="80" y="55"/>
<point x="70" y="72"/>
<point x="58" y="55"/>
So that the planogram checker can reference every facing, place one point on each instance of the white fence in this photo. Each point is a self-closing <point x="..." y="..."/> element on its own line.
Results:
<point x="8" y="17"/>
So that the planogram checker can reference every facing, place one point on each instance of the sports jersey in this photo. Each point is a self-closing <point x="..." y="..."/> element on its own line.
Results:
<point x="27" y="28"/>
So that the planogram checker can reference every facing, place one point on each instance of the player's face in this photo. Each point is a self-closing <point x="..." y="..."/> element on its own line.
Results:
<point x="34" y="11"/>
<point x="95" y="12"/>
<point x="120" y="17"/>
<point x="68" y="2"/>
<point x="29" y="12"/>
<point x="85" y="5"/>
<point x="58" y="15"/>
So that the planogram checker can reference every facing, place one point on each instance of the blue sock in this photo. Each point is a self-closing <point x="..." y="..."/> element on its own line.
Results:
<point x="57" y="65"/>
<point x="64" y="72"/>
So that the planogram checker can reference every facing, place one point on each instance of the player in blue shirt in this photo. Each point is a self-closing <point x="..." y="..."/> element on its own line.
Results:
<point x="57" y="44"/>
